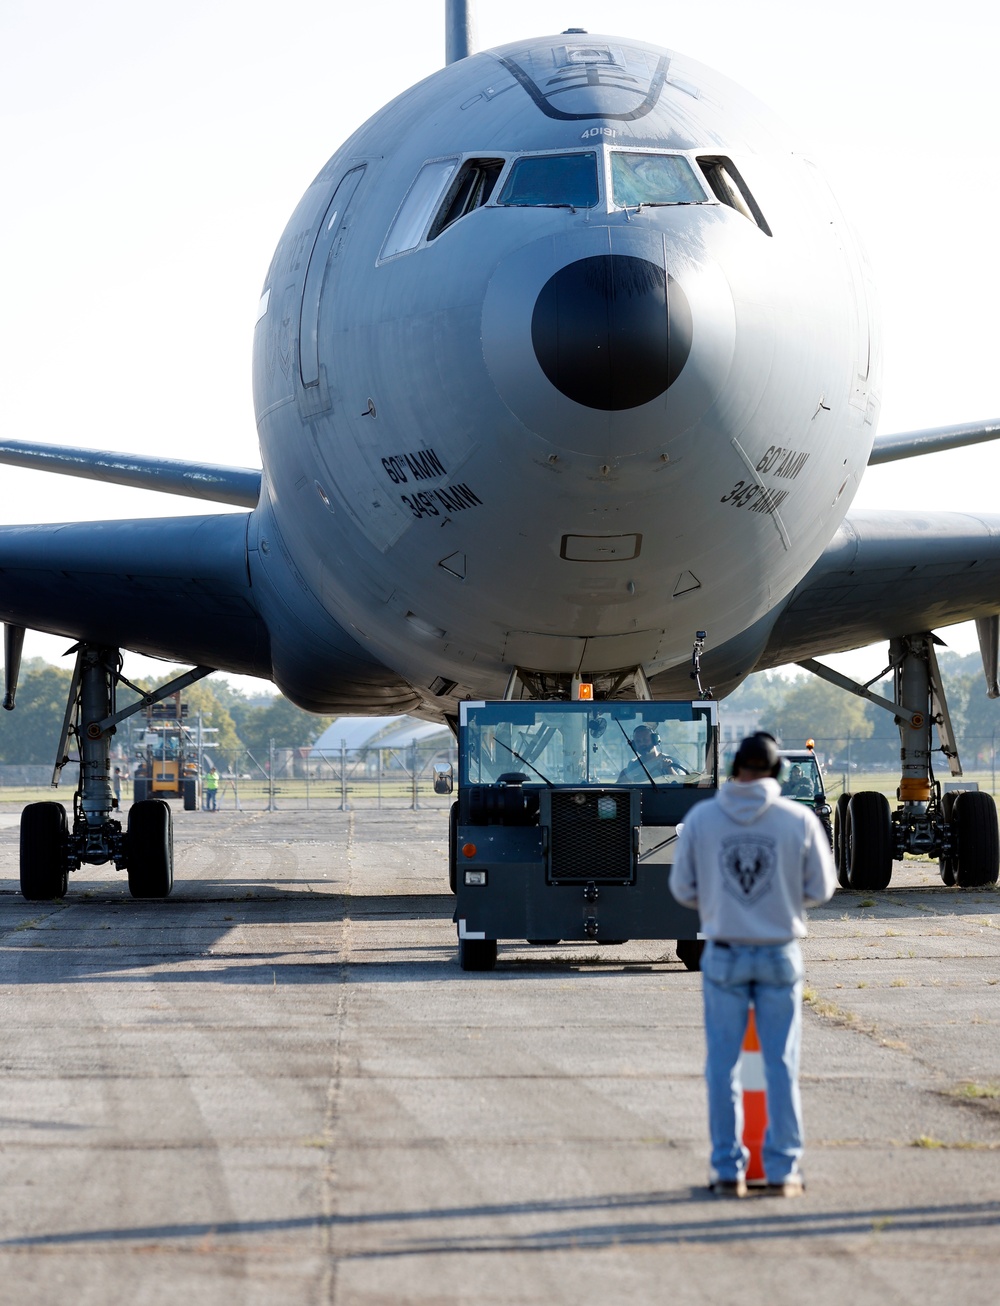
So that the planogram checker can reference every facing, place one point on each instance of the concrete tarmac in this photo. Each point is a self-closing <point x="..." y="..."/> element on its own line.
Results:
<point x="278" y="1086"/>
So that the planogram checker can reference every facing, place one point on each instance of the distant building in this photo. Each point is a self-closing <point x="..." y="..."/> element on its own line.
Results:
<point x="376" y="744"/>
<point x="357" y="732"/>
<point x="735" y="726"/>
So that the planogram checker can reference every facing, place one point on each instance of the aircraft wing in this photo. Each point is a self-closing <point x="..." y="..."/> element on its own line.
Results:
<point x="887" y="574"/>
<point x="910" y="444"/>
<point x="174" y="587"/>
<point x="220" y="484"/>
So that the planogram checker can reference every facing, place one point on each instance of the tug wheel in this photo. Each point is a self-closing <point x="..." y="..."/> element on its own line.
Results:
<point x="689" y="952"/>
<point x="477" y="954"/>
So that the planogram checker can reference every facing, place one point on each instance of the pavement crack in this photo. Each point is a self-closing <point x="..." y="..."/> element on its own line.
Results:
<point x="838" y="1015"/>
<point x="331" y="1176"/>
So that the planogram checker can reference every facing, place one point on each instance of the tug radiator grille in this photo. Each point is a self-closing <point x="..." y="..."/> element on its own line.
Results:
<point x="590" y="837"/>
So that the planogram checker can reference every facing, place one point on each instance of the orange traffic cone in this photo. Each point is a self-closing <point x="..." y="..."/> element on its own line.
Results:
<point x="754" y="1102"/>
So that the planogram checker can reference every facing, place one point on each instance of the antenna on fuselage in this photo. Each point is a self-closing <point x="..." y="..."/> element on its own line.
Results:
<point x="459" y="33"/>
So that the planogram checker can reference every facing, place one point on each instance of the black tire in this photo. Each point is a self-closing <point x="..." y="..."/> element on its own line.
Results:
<point x="149" y="848"/>
<point x="477" y="954"/>
<point x="840" y="838"/>
<point x="453" y="848"/>
<point x="948" y="865"/>
<point x="869" y="841"/>
<point x="190" y="795"/>
<point x="44" y="865"/>
<point x="977" y="840"/>
<point x="689" y="952"/>
<point x="140" y="789"/>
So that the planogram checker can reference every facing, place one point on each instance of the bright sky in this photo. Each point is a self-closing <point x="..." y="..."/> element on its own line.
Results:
<point x="151" y="156"/>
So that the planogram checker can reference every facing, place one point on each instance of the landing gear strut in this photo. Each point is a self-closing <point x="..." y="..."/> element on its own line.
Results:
<point x="959" y="829"/>
<point x="50" y="847"/>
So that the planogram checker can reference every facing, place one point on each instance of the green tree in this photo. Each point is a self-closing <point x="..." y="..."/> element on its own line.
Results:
<point x="763" y="693"/>
<point x="238" y="703"/>
<point x="30" y="733"/>
<point x="283" y="722"/>
<point x="975" y="718"/>
<point x="815" y="709"/>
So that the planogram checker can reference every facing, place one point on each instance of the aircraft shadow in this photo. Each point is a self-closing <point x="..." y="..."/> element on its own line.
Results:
<point x="183" y="940"/>
<point x="756" y="1219"/>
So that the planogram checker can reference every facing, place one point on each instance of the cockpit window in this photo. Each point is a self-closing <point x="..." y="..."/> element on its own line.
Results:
<point x="553" y="181"/>
<point x="653" y="179"/>
<point x="730" y="189"/>
<point x="470" y="190"/>
<point x="416" y="210"/>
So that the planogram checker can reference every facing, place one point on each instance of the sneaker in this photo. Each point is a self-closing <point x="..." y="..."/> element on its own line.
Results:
<point x="793" y="1186"/>
<point x="729" y="1187"/>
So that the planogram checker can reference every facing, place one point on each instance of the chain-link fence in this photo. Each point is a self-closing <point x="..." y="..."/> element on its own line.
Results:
<point x="403" y="777"/>
<point x="340" y="778"/>
<point x="285" y="778"/>
<point x="851" y="765"/>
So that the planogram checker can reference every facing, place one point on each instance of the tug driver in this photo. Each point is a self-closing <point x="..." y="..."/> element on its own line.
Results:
<point x="649" y="762"/>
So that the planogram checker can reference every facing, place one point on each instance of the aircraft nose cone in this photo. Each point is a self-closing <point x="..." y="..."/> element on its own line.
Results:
<point x="611" y="331"/>
<point x="608" y="341"/>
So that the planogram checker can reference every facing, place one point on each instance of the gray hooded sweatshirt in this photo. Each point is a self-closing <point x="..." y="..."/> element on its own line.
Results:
<point x="751" y="862"/>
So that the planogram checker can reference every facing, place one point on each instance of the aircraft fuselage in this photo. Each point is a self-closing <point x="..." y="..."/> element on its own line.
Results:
<point x="564" y="428"/>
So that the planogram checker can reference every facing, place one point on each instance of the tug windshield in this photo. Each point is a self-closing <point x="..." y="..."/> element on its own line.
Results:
<point x="552" y="744"/>
<point x="800" y="777"/>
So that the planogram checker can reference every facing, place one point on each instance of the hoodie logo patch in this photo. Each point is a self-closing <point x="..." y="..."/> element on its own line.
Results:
<point x="747" y="866"/>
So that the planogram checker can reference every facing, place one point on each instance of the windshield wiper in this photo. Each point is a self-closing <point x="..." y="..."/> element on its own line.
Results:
<point x="514" y="753"/>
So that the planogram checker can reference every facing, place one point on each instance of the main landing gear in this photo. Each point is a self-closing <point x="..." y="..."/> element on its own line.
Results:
<point x="50" y="847"/>
<point x="957" y="828"/>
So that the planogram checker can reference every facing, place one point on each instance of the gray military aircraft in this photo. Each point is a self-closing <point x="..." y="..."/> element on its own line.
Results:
<point x="564" y="357"/>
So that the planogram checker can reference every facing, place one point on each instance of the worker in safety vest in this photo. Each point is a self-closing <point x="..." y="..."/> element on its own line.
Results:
<point x="211" y="786"/>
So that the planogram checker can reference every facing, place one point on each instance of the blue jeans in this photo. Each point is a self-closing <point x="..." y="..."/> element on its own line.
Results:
<point x="770" y="977"/>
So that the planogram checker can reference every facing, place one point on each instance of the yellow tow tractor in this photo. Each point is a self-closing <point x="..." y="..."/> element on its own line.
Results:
<point x="168" y="756"/>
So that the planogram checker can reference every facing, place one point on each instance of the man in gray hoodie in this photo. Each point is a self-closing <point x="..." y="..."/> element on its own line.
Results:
<point x="751" y="861"/>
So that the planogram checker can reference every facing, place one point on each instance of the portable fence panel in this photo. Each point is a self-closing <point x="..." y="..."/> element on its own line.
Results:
<point x="338" y="779"/>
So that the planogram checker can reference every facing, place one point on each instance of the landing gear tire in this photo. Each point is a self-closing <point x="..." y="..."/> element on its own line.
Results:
<point x="840" y="839"/>
<point x="477" y="954"/>
<point x="869" y="841"/>
<point x="44" y="836"/>
<point x="140" y="789"/>
<point x="689" y="952"/>
<point x="453" y="848"/>
<point x="946" y="865"/>
<point x="190" y="795"/>
<point x="149" y="846"/>
<point x="978" y="842"/>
